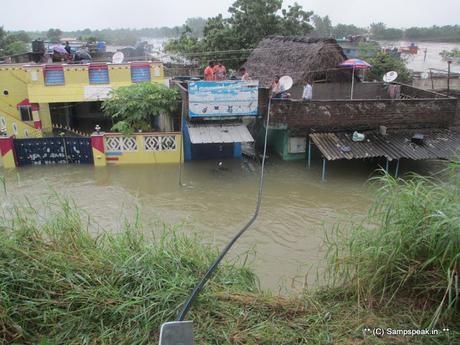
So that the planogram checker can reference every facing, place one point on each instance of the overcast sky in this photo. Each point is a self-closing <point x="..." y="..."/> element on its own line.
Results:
<point x="98" y="14"/>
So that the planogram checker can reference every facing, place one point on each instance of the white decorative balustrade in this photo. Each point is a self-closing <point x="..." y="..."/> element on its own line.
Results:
<point x="160" y="143"/>
<point x="118" y="143"/>
<point x="149" y="142"/>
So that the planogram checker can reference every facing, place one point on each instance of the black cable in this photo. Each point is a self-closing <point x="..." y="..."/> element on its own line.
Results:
<point x="215" y="264"/>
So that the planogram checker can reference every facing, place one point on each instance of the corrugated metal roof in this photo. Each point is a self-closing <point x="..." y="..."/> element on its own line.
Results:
<point x="437" y="145"/>
<point x="218" y="134"/>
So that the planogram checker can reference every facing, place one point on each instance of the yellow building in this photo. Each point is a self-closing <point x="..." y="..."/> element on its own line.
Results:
<point x="34" y="98"/>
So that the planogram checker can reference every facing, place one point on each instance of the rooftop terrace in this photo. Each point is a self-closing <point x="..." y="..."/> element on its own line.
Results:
<point x="331" y="109"/>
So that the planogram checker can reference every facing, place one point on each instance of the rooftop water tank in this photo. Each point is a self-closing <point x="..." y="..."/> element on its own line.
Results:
<point x="38" y="46"/>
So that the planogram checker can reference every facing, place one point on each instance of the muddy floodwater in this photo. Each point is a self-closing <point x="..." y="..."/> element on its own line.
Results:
<point x="433" y="59"/>
<point x="284" y="244"/>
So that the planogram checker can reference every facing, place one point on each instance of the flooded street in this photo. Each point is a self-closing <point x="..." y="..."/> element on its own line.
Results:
<point x="418" y="63"/>
<point x="286" y="239"/>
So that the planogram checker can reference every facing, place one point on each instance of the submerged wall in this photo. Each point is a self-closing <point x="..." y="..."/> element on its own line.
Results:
<point x="142" y="148"/>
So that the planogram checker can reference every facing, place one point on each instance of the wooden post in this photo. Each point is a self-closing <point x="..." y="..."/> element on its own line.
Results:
<point x="309" y="153"/>
<point x="397" y="169"/>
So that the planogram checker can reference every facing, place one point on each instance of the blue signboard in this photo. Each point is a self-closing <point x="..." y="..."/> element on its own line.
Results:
<point x="223" y="98"/>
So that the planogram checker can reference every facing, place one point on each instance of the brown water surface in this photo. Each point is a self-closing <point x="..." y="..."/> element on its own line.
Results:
<point x="287" y="238"/>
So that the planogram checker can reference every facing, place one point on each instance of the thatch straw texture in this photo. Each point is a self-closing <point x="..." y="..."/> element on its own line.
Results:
<point x="302" y="58"/>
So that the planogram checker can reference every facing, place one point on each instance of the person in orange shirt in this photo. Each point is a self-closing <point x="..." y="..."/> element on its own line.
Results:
<point x="220" y="72"/>
<point x="209" y="72"/>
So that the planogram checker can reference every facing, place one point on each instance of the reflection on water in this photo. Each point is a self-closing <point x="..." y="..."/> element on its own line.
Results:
<point x="214" y="203"/>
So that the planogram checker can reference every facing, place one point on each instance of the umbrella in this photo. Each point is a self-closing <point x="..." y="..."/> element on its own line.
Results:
<point x="59" y="49"/>
<point x="355" y="64"/>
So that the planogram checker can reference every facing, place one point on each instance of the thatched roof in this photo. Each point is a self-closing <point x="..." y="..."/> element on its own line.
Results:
<point x="302" y="58"/>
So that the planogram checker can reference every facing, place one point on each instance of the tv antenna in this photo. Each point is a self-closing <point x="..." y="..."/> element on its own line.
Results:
<point x="390" y="76"/>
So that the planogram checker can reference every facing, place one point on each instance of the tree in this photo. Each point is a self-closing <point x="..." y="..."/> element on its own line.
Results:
<point x="186" y="45"/>
<point x="196" y="26"/>
<point x="134" y="107"/>
<point x="344" y="30"/>
<point x="380" y="31"/>
<point x="231" y="39"/>
<point x="13" y="43"/>
<point x="127" y="38"/>
<point x="393" y="34"/>
<point x="2" y="40"/>
<point x="383" y="63"/>
<point x="377" y="29"/>
<point x="448" y="33"/>
<point x="252" y="20"/>
<point x="18" y="36"/>
<point x="221" y="43"/>
<point x="54" y="35"/>
<point x="368" y="49"/>
<point x="323" y="26"/>
<point x="295" y="21"/>
<point x="86" y="32"/>
<point x="16" y="47"/>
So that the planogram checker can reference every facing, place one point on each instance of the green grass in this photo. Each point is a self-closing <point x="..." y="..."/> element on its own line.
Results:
<point x="3" y="183"/>
<point x="59" y="284"/>
<point x="409" y="249"/>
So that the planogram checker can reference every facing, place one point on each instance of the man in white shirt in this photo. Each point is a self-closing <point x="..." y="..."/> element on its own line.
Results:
<point x="307" y="91"/>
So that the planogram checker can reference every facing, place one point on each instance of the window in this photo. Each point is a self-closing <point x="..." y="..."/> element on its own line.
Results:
<point x="26" y="113"/>
<point x="98" y="74"/>
<point x="140" y="72"/>
<point x="54" y="75"/>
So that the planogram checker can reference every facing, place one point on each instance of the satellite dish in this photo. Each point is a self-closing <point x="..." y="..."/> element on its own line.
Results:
<point x="424" y="75"/>
<point x="390" y="76"/>
<point x="118" y="57"/>
<point x="285" y="83"/>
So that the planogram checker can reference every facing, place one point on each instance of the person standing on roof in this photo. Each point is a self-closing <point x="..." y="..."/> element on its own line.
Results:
<point x="307" y="94"/>
<point x="244" y="74"/>
<point x="220" y="72"/>
<point x="67" y="47"/>
<point x="276" y="86"/>
<point x="209" y="72"/>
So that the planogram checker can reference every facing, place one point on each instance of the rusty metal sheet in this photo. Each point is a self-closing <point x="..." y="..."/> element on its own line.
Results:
<point x="441" y="144"/>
